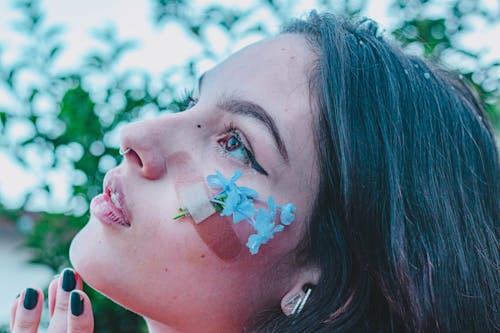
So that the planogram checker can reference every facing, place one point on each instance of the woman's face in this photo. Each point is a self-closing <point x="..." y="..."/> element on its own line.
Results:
<point x="175" y="272"/>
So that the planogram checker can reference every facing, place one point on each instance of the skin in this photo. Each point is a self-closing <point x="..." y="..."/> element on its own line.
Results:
<point x="162" y="269"/>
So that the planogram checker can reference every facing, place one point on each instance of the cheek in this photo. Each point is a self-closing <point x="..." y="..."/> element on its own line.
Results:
<point x="216" y="232"/>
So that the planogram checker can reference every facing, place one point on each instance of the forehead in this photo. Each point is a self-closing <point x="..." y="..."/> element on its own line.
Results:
<point x="274" y="71"/>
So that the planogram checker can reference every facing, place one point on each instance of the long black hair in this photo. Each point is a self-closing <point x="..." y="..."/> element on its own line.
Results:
<point x="405" y="223"/>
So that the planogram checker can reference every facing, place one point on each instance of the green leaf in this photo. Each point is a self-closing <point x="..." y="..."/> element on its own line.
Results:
<point x="77" y="112"/>
<point x="55" y="51"/>
<point x="3" y="118"/>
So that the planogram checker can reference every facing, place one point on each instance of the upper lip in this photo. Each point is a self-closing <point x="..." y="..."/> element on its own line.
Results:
<point x="113" y="186"/>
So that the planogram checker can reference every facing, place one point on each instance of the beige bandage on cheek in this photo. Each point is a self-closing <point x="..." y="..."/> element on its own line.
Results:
<point x="195" y="199"/>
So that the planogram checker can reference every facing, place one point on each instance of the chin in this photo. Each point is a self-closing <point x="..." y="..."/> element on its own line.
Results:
<point x="91" y="258"/>
<point x="85" y="255"/>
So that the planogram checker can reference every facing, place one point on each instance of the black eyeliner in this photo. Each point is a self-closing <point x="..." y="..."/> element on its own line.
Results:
<point x="254" y="162"/>
<point x="255" y="165"/>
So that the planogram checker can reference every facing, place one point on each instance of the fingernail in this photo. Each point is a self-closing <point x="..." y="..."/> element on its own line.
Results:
<point x="69" y="281"/>
<point x="76" y="304"/>
<point x="30" y="298"/>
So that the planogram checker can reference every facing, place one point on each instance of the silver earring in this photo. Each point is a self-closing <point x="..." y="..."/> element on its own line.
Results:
<point x="292" y="302"/>
<point x="124" y="151"/>
<point x="300" y="304"/>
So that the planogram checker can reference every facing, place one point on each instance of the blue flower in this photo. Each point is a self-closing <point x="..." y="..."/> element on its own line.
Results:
<point x="264" y="225"/>
<point x="254" y="242"/>
<point x="219" y="181"/>
<point x="240" y="206"/>
<point x="287" y="213"/>
<point x="239" y="201"/>
<point x="272" y="207"/>
<point x="247" y="191"/>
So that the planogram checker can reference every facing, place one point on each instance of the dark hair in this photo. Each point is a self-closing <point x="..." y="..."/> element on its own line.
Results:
<point x="405" y="223"/>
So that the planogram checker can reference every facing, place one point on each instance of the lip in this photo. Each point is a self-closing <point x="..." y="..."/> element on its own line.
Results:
<point x="110" y="206"/>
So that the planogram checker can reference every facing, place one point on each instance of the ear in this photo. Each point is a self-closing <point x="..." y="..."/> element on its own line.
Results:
<point x="294" y="300"/>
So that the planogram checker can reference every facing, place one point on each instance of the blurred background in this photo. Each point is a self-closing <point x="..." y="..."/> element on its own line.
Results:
<point x="72" y="73"/>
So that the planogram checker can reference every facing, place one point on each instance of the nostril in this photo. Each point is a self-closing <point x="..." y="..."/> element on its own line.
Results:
<point x="133" y="157"/>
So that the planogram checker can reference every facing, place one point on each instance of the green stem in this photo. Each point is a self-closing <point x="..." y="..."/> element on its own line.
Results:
<point x="181" y="214"/>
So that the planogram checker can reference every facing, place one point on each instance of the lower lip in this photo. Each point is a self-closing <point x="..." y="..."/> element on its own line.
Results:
<point x="105" y="211"/>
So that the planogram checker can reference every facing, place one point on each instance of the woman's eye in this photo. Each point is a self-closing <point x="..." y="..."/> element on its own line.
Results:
<point x="232" y="145"/>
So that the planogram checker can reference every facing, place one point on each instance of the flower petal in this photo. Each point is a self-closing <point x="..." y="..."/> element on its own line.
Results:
<point x="247" y="191"/>
<point x="262" y="221"/>
<point x="272" y="206"/>
<point x="254" y="242"/>
<point x="237" y="174"/>
<point x="278" y="228"/>
<point x="246" y="208"/>
<point x="287" y="216"/>
<point x="214" y="182"/>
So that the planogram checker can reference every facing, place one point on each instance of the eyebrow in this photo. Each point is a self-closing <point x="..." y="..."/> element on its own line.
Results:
<point x="252" y="110"/>
<point x="255" y="111"/>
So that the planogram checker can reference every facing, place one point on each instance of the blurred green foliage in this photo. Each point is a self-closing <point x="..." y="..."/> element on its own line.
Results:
<point x="74" y="131"/>
<point x="438" y="37"/>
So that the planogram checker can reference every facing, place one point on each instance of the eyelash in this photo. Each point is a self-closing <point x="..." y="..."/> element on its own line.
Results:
<point x="188" y="101"/>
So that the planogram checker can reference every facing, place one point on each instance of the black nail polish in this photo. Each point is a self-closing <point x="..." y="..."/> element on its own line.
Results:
<point x="76" y="304"/>
<point x="69" y="281"/>
<point x="30" y="298"/>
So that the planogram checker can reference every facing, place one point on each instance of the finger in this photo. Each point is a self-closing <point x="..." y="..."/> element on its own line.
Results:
<point x="52" y="293"/>
<point x="13" y="312"/>
<point x="67" y="282"/>
<point x="28" y="311"/>
<point x="80" y="317"/>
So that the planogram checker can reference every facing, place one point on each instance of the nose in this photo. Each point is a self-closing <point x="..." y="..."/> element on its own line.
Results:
<point x="150" y="142"/>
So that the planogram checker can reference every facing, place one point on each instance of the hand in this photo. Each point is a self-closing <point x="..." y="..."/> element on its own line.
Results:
<point x="70" y="308"/>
